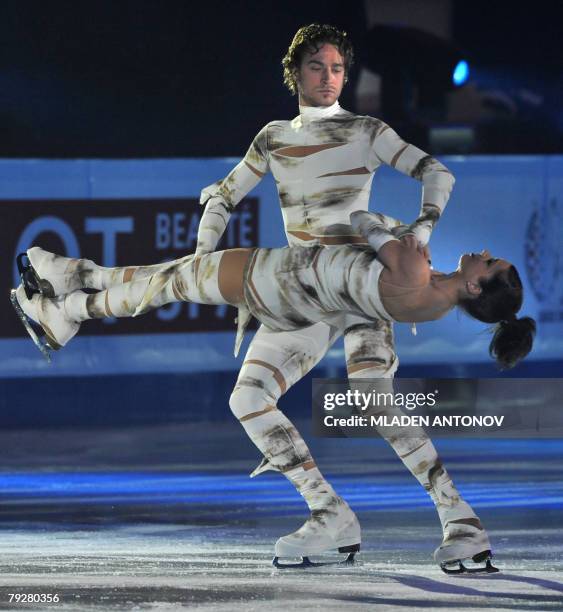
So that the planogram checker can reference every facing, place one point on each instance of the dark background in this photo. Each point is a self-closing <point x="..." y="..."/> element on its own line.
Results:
<point x="159" y="79"/>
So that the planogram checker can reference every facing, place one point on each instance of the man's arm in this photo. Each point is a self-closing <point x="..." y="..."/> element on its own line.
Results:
<point x="221" y="198"/>
<point x="437" y="180"/>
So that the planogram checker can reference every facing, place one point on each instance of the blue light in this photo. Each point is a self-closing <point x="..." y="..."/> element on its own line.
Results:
<point x="230" y="494"/>
<point x="461" y="73"/>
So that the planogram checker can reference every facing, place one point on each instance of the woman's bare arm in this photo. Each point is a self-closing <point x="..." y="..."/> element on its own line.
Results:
<point x="403" y="257"/>
<point x="406" y="261"/>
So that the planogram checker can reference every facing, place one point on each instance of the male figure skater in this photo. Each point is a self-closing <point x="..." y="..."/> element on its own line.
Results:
<point x="323" y="163"/>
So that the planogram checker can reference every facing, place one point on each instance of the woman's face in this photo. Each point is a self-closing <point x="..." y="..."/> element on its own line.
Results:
<point x="481" y="266"/>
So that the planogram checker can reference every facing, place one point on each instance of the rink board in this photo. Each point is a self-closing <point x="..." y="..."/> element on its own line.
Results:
<point x="511" y="205"/>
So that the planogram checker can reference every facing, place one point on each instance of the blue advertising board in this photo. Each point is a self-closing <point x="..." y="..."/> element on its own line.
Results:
<point x="116" y="212"/>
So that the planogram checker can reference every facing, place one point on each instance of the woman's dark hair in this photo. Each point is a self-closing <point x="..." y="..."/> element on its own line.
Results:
<point x="498" y="302"/>
<point x="310" y="39"/>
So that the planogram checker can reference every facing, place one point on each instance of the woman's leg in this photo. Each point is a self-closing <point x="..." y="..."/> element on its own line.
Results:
<point x="61" y="275"/>
<point x="214" y="278"/>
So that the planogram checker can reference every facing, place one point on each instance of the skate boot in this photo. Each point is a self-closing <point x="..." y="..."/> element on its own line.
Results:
<point x="49" y="274"/>
<point x="330" y="528"/>
<point x="465" y="541"/>
<point x="47" y="316"/>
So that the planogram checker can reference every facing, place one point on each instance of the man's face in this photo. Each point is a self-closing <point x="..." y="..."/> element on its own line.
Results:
<point x="321" y="77"/>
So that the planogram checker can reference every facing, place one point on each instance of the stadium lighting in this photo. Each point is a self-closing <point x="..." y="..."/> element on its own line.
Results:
<point x="461" y="73"/>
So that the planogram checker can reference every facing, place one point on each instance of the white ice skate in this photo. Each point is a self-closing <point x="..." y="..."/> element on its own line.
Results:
<point x="52" y="275"/>
<point x="465" y="542"/>
<point x="47" y="314"/>
<point x="335" y="527"/>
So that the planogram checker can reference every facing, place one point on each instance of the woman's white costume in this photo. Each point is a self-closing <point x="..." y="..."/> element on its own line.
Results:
<point x="287" y="289"/>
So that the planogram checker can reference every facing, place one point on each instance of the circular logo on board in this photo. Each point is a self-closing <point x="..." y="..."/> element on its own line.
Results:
<point x="542" y="253"/>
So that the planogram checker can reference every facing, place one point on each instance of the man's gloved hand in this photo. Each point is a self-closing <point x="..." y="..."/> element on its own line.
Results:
<point x="400" y="230"/>
<point x="213" y="223"/>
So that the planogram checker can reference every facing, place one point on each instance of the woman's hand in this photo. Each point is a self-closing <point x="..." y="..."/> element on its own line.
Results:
<point x="411" y="242"/>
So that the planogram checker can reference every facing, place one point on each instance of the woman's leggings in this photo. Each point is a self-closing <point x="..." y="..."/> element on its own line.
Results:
<point x="190" y="279"/>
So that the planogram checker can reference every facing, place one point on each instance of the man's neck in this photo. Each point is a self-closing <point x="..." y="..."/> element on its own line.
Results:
<point x="314" y="113"/>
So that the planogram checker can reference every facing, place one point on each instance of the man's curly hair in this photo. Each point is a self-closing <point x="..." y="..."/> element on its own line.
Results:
<point x="310" y="39"/>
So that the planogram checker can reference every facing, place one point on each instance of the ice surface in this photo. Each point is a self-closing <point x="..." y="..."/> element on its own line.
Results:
<point x="165" y="518"/>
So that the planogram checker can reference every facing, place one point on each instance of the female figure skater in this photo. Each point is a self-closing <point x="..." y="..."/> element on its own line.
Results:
<point x="291" y="288"/>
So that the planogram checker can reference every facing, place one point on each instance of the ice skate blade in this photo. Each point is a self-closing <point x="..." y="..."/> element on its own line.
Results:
<point x="41" y="343"/>
<point x="306" y="562"/>
<point x="457" y="566"/>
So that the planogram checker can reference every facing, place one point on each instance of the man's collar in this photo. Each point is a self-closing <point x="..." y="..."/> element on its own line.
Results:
<point x="314" y="113"/>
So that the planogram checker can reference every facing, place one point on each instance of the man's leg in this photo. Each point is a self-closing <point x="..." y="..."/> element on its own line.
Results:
<point x="370" y="353"/>
<point x="274" y="362"/>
